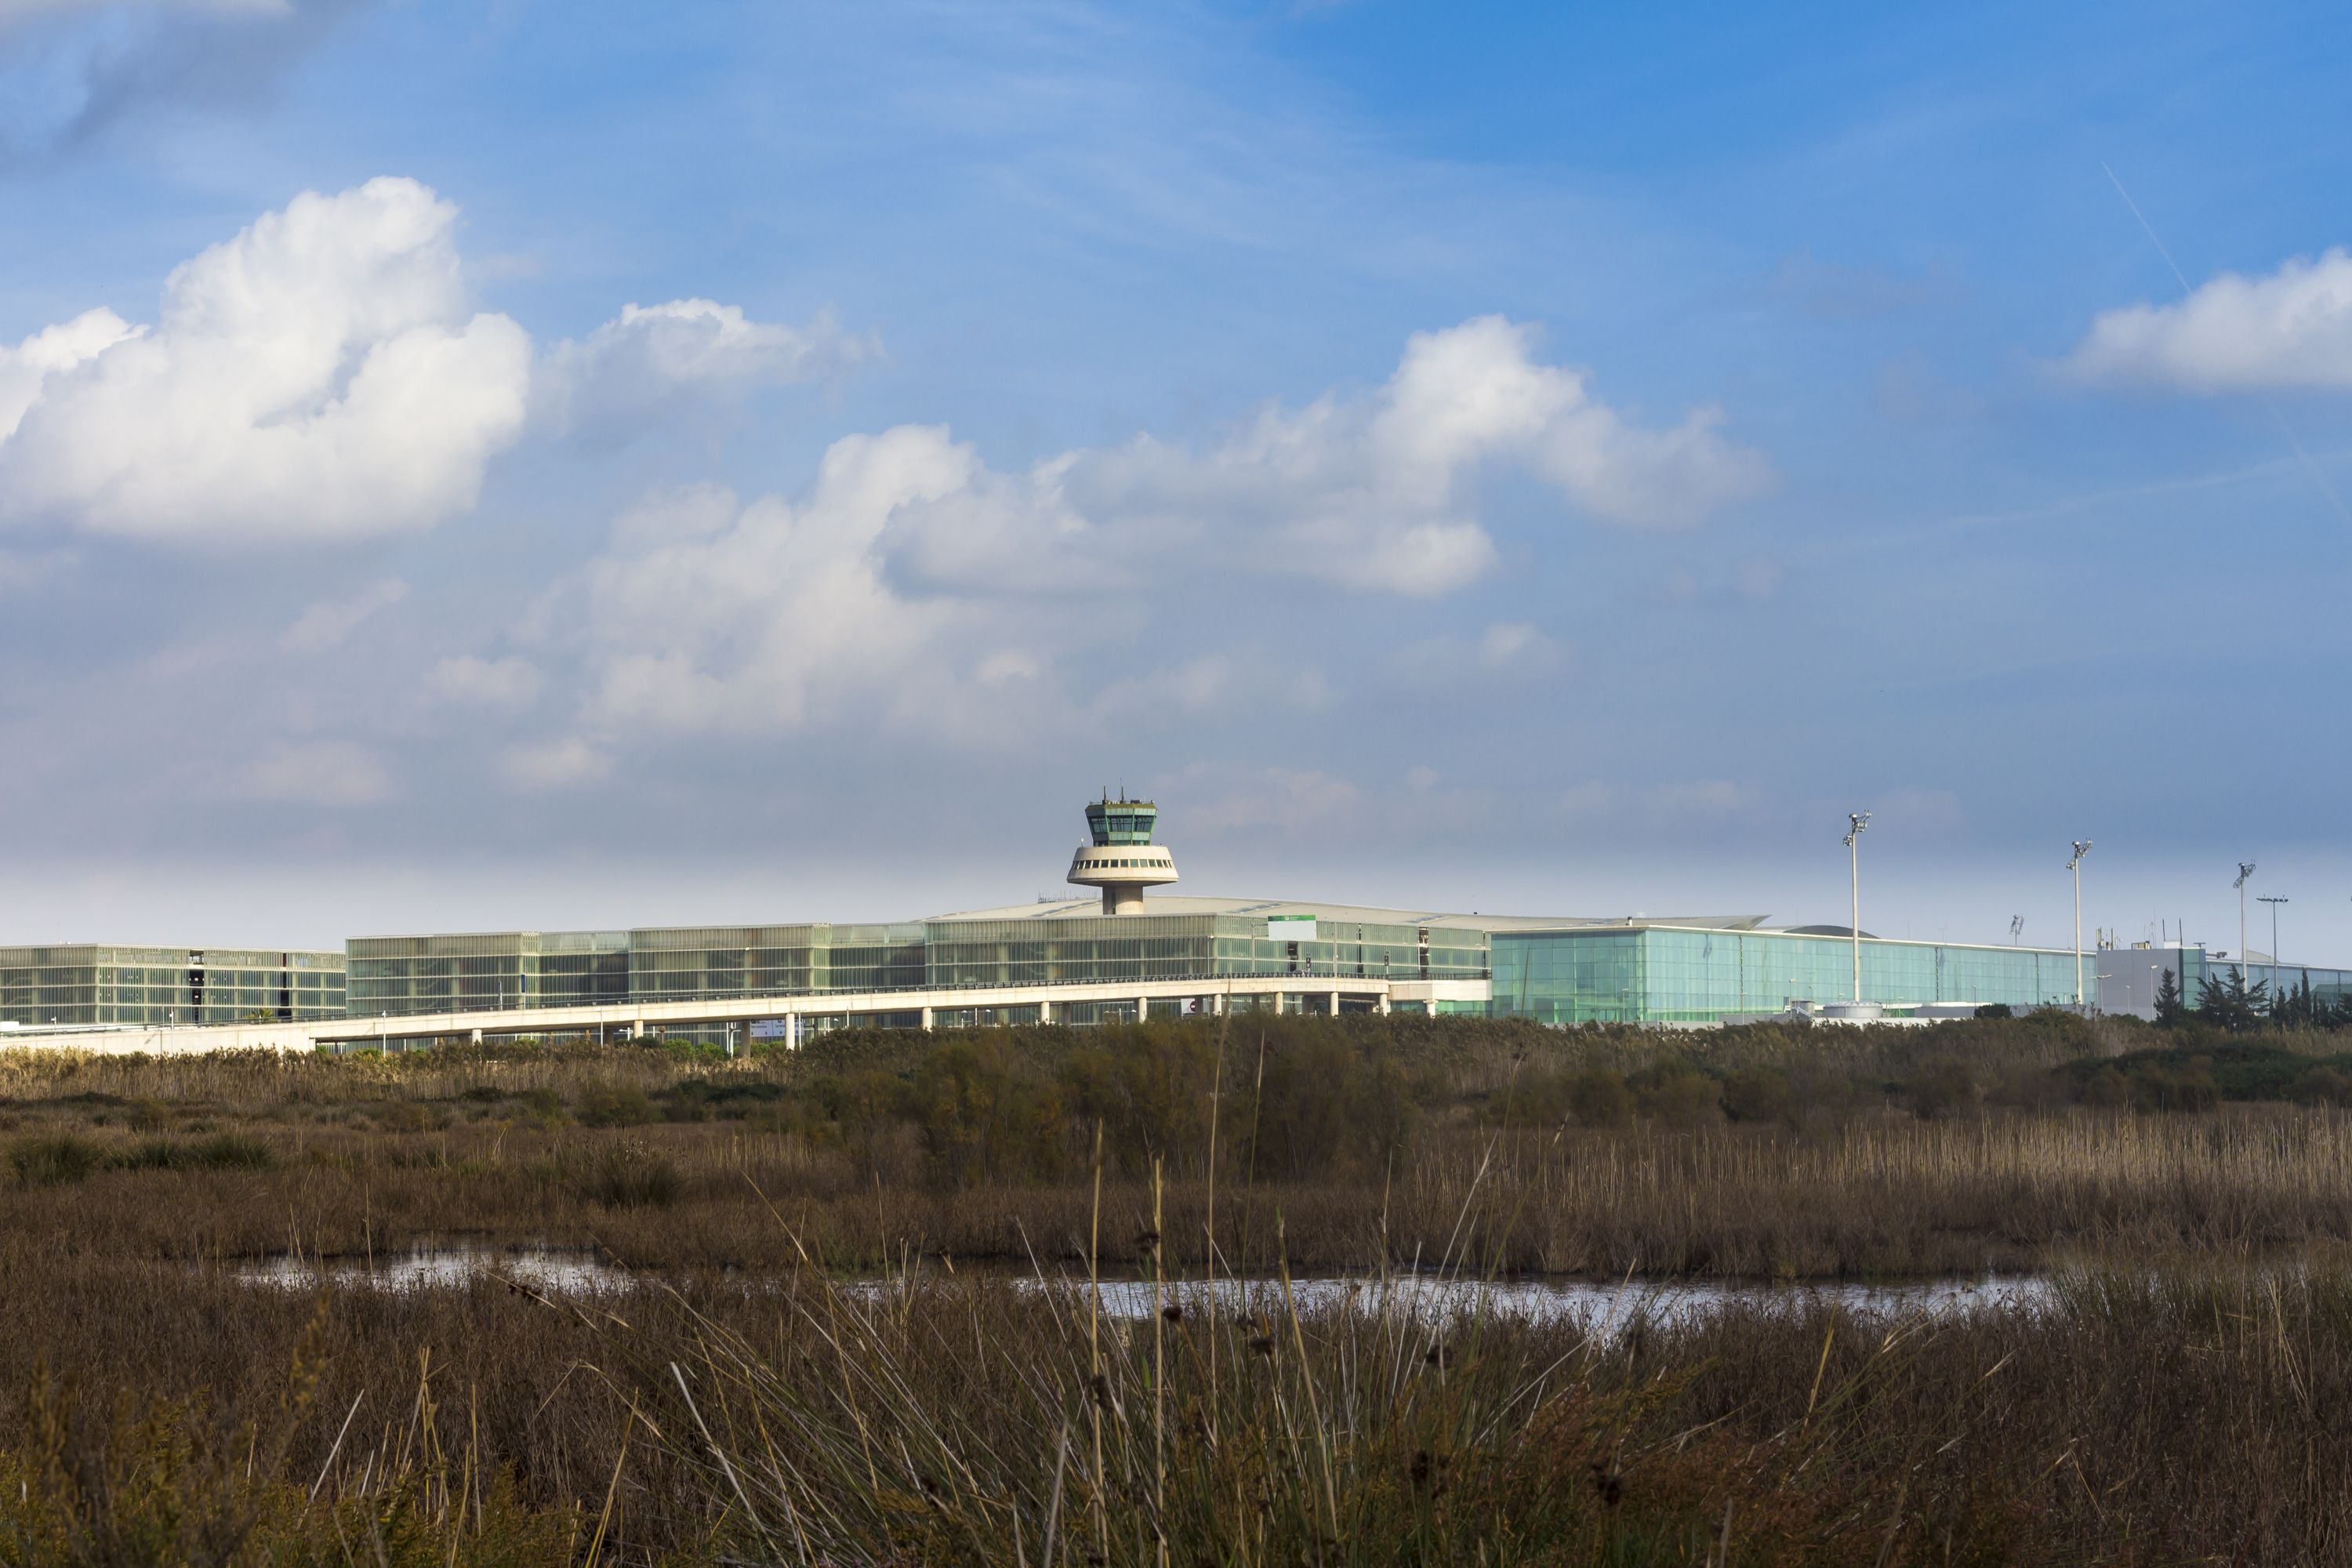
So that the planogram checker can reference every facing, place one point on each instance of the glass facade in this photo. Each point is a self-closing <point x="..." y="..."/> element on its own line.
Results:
<point x="89" y="984"/>
<point x="1664" y="975"/>
<point x="403" y="976"/>
<point x="1121" y="821"/>
<point x="394" y="976"/>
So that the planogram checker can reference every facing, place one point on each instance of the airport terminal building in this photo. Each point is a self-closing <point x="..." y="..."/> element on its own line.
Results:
<point x="87" y="986"/>
<point x="1109" y="954"/>
<point x="1295" y="956"/>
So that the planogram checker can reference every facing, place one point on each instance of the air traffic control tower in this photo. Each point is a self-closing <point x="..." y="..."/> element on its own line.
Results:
<point x="1120" y="857"/>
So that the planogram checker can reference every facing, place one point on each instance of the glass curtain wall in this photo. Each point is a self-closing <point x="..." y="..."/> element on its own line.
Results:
<point x="704" y="962"/>
<point x="89" y="984"/>
<point x="1654" y="974"/>
<point x="396" y="976"/>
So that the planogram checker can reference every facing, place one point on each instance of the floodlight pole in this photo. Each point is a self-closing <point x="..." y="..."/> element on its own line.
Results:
<point x="2082" y="847"/>
<point x="1860" y="819"/>
<point x="2245" y="965"/>
<point x="2273" y="900"/>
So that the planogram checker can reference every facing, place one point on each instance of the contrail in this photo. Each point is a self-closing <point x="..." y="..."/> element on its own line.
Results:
<point x="2318" y="475"/>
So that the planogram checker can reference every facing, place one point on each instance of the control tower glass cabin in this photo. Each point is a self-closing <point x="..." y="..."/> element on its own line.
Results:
<point x="1119" y="856"/>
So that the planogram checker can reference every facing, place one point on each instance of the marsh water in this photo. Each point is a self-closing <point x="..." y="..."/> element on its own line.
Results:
<point x="579" y="1272"/>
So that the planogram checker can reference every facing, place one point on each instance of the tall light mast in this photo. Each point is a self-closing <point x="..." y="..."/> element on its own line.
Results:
<point x="2273" y="900"/>
<point x="2245" y="968"/>
<point x="1860" y="819"/>
<point x="2082" y="847"/>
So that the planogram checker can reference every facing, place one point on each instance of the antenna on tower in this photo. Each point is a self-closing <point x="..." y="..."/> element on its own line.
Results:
<point x="2016" y="924"/>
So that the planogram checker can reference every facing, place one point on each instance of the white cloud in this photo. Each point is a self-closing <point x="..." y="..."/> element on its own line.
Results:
<point x="2291" y="329"/>
<point x="624" y="372"/>
<point x="50" y="350"/>
<point x="327" y="624"/>
<point x="319" y="773"/>
<point x="782" y="613"/>
<point x="508" y="682"/>
<point x="912" y="585"/>
<point x="554" y="764"/>
<point x="317" y="376"/>
<point x="1375" y="494"/>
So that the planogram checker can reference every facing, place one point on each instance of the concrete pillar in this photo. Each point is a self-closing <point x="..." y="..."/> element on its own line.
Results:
<point x="1142" y="1008"/>
<point x="1335" y="1004"/>
<point x="477" y="1037"/>
<point x="1044" y="1012"/>
<point x="927" y="1017"/>
<point x="1384" y="1002"/>
<point x="791" y="1031"/>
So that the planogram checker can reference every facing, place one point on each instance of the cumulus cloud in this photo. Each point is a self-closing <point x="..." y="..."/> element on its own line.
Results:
<point x="1375" y="494"/>
<point x="554" y="764"/>
<point x="912" y="585"/>
<point x="508" y="682"/>
<point x="1453" y="667"/>
<point x="328" y="623"/>
<point x="2290" y="330"/>
<point x="683" y="352"/>
<point x="775" y="612"/>
<point x="318" y="376"/>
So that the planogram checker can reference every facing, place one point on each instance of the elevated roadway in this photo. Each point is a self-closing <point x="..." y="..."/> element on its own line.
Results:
<point x="932" y="1005"/>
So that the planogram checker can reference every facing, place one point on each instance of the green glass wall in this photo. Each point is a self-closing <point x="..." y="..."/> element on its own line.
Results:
<point x="396" y="976"/>
<point x="1663" y="974"/>
<point x="89" y="984"/>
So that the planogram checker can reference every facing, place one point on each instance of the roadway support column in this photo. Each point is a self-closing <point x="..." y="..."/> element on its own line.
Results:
<point x="1335" y="1004"/>
<point x="1143" y="1005"/>
<point x="1384" y="1002"/>
<point x="927" y="1018"/>
<point x="791" y="1031"/>
<point x="1045" y="1012"/>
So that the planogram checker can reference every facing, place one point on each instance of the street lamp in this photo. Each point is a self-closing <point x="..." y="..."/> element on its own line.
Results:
<point x="2273" y="900"/>
<point x="2082" y="847"/>
<point x="1860" y="819"/>
<point x="2245" y="873"/>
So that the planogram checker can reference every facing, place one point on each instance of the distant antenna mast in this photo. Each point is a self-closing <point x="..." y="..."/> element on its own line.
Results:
<point x="2016" y="925"/>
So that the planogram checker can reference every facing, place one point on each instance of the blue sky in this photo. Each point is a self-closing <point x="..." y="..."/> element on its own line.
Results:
<point x="597" y="466"/>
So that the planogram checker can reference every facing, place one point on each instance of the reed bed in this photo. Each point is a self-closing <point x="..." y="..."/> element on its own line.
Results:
<point x="2139" y="1417"/>
<point x="2008" y="1192"/>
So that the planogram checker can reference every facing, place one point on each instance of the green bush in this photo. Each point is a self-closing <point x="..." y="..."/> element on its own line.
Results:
<point x="54" y="1158"/>
<point x="1600" y="1099"/>
<point x="631" y="1175"/>
<point x="1760" y="1094"/>
<point x="2324" y="1086"/>
<point x="610" y="1105"/>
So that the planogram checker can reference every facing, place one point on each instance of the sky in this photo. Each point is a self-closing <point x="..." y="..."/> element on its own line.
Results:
<point x="511" y="465"/>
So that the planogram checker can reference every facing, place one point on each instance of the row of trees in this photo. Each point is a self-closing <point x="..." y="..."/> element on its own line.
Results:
<point x="2228" y="1003"/>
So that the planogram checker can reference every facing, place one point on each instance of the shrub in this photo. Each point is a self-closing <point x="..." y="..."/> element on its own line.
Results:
<point x="2107" y="1089"/>
<point x="1600" y="1099"/>
<point x="1938" y="1090"/>
<point x="2324" y="1086"/>
<point x="631" y="1175"/>
<point x="611" y="1105"/>
<point x="54" y="1158"/>
<point x="1760" y="1094"/>
<point x="1680" y="1098"/>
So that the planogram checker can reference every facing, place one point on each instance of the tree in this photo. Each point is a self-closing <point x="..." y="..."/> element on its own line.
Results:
<point x="2230" y="1003"/>
<point x="2168" y="1006"/>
